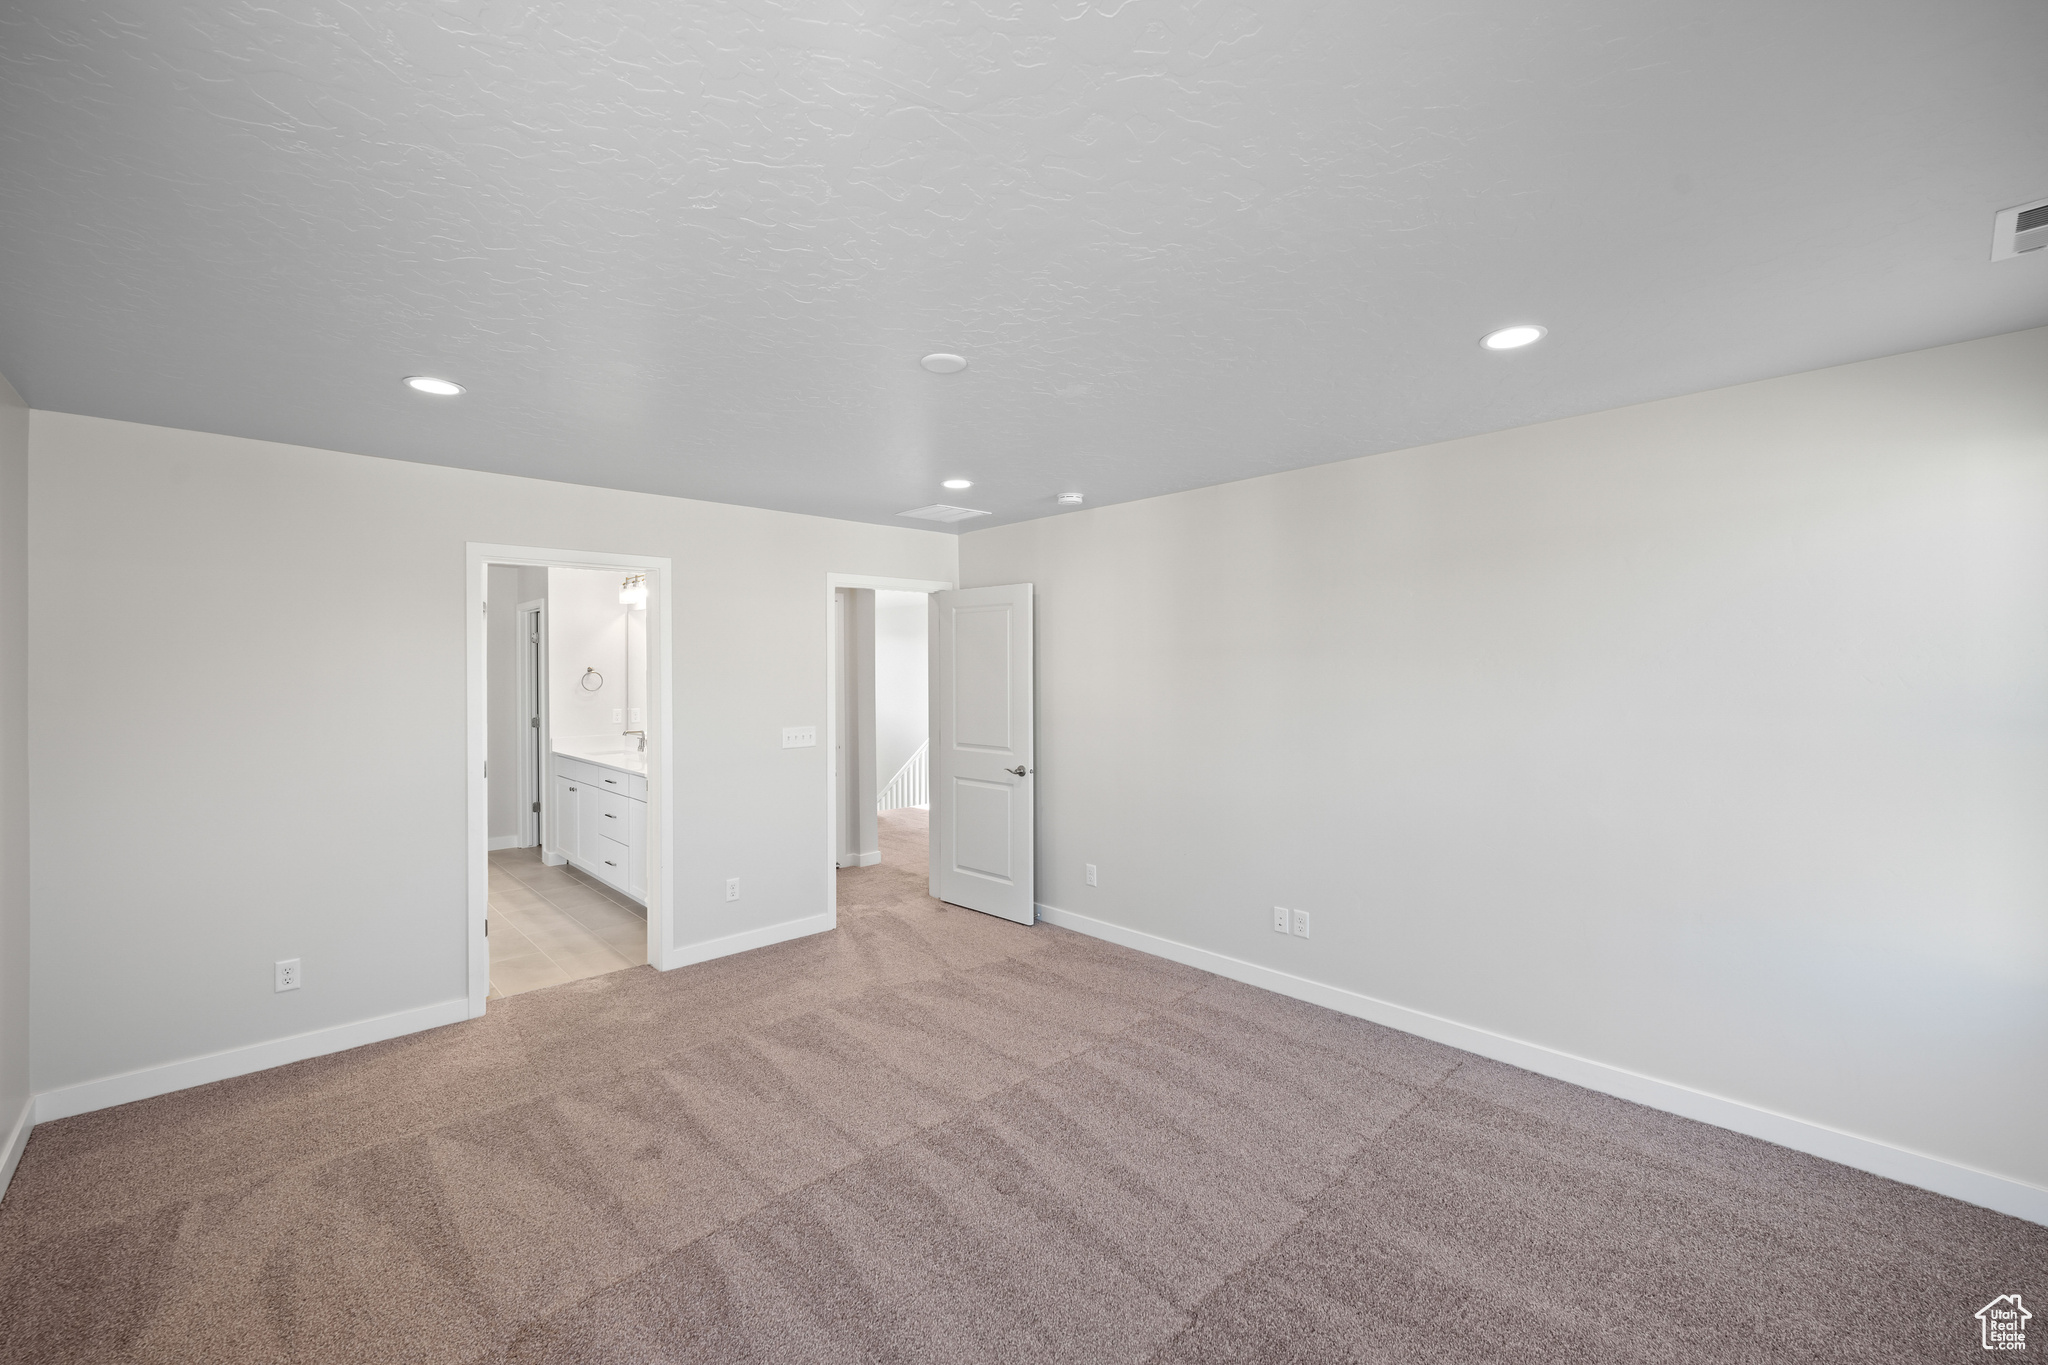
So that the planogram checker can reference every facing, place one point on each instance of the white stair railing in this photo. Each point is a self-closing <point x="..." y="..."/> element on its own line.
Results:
<point x="911" y="786"/>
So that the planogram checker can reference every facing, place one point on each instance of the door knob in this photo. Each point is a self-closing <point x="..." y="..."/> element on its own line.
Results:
<point x="1020" y="770"/>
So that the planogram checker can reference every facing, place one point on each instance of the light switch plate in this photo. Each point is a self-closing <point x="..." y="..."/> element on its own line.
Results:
<point x="799" y="736"/>
<point x="1280" y="919"/>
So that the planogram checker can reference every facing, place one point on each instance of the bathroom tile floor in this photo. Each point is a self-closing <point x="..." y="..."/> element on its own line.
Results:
<point x="553" y="924"/>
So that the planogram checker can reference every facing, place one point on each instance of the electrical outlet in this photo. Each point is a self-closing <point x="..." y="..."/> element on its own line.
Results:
<point x="732" y="888"/>
<point x="618" y="716"/>
<point x="799" y="736"/>
<point x="288" y="974"/>
<point x="1280" y="919"/>
<point x="634" y="713"/>
<point x="1091" y="874"/>
<point x="1301" y="924"/>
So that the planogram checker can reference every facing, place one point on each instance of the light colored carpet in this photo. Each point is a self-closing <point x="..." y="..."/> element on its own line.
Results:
<point x="936" y="1136"/>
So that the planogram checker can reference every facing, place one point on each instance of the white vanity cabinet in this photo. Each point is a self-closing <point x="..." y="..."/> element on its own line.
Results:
<point x="636" y="840"/>
<point x="563" y="815"/>
<point x="600" y="822"/>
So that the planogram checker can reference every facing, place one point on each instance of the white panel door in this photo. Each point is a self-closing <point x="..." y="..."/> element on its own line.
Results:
<point x="983" y="839"/>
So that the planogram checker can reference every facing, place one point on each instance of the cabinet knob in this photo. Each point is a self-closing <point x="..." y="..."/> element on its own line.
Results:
<point x="572" y="789"/>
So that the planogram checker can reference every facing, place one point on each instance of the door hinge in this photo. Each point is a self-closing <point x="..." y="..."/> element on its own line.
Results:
<point x="534" y="721"/>
<point x="487" y="928"/>
<point x="536" y="808"/>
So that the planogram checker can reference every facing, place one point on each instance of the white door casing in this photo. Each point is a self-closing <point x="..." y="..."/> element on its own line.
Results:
<point x="983" y="826"/>
<point x="842" y="728"/>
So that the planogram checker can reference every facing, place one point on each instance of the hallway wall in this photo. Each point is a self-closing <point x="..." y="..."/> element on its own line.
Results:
<point x="902" y="718"/>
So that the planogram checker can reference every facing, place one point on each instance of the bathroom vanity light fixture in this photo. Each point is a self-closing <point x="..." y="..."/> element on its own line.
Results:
<point x="957" y="483"/>
<point x="426" y="383"/>
<point x="633" y="592"/>
<point x="1513" y="338"/>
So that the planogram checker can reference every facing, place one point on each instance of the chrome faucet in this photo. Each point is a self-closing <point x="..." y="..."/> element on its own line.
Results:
<point x="643" y="738"/>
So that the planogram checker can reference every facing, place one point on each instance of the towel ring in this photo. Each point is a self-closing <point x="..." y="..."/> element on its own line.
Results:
<point x="588" y="685"/>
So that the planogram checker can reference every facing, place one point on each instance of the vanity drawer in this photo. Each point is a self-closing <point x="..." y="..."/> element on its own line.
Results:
<point x="609" y="860"/>
<point x="603" y="813"/>
<point x="579" y="771"/>
<point x="601" y="777"/>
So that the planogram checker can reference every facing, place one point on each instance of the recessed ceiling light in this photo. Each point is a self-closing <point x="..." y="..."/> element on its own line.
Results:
<point x="1513" y="338"/>
<point x="941" y="363"/>
<point x="957" y="483"/>
<point x="426" y="383"/>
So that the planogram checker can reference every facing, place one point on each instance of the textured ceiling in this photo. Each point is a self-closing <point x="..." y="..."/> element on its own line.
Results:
<point x="698" y="248"/>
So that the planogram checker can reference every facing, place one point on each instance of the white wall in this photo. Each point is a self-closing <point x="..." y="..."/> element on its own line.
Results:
<point x="587" y="629"/>
<point x="1706" y="739"/>
<point x="199" y="828"/>
<point x="504" y="654"/>
<point x="14" y="902"/>
<point x="637" y="691"/>
<point x="901" y="719"/>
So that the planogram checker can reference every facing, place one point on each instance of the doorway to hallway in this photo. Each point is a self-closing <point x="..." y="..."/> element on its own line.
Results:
<point x="973" y="767"/>
<point x="881" y="715"/>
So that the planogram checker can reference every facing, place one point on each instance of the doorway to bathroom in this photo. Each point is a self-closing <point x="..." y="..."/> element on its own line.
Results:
<point x="570" y="733"/>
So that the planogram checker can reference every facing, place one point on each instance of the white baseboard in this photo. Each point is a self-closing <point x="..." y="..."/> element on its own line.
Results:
<point x="752" y="938"/>
<point x="867" y="859"/>
<point x="505" y="841"/>
<point x="1972" y="1186"/>
<point x="17" y="1141"/>
<point x="149" y="1081"/>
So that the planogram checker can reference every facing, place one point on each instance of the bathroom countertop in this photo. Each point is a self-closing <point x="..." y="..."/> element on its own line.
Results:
<point x="607" y="751"/>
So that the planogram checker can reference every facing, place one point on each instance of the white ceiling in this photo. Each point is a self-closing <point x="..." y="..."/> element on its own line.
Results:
<point x="698" y="248"/>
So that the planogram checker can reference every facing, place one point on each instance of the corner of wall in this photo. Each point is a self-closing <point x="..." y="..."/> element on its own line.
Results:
<point x="15" y="1100"/>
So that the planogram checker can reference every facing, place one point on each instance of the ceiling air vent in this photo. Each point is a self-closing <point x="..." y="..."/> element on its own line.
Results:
<point x="939" y="511"/>
<point x="2019" y="229"/>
